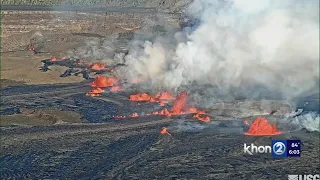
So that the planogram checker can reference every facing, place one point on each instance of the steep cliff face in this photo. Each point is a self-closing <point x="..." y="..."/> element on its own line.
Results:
<point x="164" y="5"/>
<point x="19" y="27"/>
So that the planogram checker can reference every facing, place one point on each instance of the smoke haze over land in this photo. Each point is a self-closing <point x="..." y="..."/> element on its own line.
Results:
<point x="242" y="45"/>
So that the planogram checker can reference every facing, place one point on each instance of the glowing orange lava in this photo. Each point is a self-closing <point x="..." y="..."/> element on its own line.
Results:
<point x="195" y="110"/>
<point x="202" y="118"/>
<point x="119" y="117"/>
<point x="54" y="58"/>
<point x="179" y="106"/>
<point x="102" y="82"/>
<point x="165" y="112"/>
<point x="98" y="67"/>
<point x="179" y="103"/>
<point x="164" y="131"/>
<point x="160" y="97"/>
<point x="141" y="97"/>
<point x="134" y="115"/>
<point x="261" y="127"/>
<point x="164" y="96"/>
<point x="96" y="91"/>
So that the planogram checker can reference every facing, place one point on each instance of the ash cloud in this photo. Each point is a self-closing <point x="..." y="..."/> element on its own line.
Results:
<point x="244" y="45"/>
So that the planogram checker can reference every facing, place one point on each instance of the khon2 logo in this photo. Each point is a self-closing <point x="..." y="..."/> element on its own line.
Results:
<point x="278" y="149"/>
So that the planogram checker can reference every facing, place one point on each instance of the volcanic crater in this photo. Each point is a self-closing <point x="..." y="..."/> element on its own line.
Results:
<point x="63" y="117"/>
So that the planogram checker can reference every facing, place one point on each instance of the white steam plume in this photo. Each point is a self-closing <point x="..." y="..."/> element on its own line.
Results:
<point x="309" y="121"/>
<point x="239" y="44"/>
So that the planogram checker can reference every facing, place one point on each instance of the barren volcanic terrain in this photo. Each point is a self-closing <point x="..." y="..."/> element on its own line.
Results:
<point x="67" y="117"/>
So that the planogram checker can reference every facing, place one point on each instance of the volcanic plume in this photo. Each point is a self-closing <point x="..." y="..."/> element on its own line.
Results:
<point x="244" y="47"/>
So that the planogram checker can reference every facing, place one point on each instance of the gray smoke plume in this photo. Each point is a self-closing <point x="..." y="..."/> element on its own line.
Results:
<point x="242" y="45"/>
<point x="96" y="49"/>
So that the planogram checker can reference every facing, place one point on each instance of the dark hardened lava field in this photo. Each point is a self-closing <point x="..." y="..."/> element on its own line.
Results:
<point x="105" y="148"/>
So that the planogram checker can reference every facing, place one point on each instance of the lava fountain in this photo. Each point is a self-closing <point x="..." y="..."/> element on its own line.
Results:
<point x="261" y="127"/>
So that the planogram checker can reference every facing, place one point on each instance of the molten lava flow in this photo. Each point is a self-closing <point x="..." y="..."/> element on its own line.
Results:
<point x="115" y="88"/>
<point x="164" y="96"/>
<point x="53" y="59"/>
<point x="119" y="117"/>
<point x="160" y="97"/>
<point x="96" y="91"/>
<point x="102" y="82"/>
<point x="202" y="118"/>
<point x="134" y="115"/>
<point x="179" y="103"/>
<point x="178" y="106"/>
<point x="165" y="112"/>
<point x="195" y="110"/>
<point x="261" y="127"/>
<point x="141" y="97"/>
<point x="98" y="67"/>
<point x="164" y="131"/>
